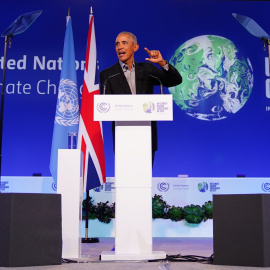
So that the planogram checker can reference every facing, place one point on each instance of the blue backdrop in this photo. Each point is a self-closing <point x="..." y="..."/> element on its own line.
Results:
<point x="239" y="144"/>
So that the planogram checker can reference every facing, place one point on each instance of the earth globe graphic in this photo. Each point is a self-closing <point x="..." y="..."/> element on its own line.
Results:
<point x="217" y="79"/>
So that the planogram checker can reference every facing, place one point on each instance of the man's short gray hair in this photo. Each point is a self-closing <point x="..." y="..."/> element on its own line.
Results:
<point x="130" y="34"/>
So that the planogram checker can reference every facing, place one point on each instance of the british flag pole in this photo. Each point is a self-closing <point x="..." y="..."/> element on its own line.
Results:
<point x="90" y="137"/>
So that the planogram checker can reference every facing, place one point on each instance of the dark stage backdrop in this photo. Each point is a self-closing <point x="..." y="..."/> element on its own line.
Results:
<point x="227" y="87"/>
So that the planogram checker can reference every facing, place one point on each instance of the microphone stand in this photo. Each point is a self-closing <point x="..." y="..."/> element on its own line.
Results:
<point x="8" y="39"/>
<point x="21" y="24"/>
<point x="160" y="83"/>
<point x="104" y="85"/>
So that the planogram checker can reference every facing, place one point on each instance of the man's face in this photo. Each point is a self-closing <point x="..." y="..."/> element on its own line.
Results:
<point x="125" y="48"/>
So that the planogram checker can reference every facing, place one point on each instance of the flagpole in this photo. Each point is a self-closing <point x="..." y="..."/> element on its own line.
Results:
<point x="87" y="239"/>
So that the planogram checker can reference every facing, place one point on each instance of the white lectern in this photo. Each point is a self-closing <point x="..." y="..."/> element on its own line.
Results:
<point x="133" y="170"/>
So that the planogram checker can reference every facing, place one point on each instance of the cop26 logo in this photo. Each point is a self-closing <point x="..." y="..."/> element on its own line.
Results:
<point x="202" y="187"/>
<point x="148" y="107"/>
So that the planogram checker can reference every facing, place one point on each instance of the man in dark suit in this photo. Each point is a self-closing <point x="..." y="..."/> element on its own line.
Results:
<point x="130" y="77"/>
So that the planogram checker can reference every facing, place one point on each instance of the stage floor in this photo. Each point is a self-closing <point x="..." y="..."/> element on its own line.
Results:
<point x="171" y="246"/>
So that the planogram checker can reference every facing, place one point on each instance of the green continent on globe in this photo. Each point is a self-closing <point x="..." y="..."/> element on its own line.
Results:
<point x="217" y="80"/>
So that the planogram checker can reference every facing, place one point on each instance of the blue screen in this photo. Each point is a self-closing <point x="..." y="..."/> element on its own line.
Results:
<point x="236" y="144"/>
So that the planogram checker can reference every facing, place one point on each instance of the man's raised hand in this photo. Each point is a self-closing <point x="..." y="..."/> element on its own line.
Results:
<point x="155" y="57"/>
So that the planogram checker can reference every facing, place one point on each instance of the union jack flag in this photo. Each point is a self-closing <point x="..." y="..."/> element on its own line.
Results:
<point x="90" y="138"/>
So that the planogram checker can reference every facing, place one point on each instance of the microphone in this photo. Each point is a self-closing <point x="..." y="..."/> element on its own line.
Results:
<point x="104" y="86"/>
<point x="160" y="83"/>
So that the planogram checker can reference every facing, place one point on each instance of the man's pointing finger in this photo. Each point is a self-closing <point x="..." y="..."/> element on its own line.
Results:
<point x="146" y="50"/>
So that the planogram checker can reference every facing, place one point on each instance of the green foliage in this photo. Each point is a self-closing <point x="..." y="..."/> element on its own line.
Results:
<point x="193" y="214"/>
<point x="208" y="209"/>
<point x="175" y="213"/>
<point x="91" y="211"/>
<point x="113" y="210"/>
<point x="104" y="212"/>
<point x="159" y="207"/>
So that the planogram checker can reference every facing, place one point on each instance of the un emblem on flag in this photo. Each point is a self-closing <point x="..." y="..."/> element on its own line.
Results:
<point x="67" y="109"/>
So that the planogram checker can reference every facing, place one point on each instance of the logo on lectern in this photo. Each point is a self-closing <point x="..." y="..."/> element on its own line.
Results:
<point x="148" y="107"/>
<point x="103" y="107"/>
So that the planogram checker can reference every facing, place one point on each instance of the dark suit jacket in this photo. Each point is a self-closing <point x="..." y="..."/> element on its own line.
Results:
<point x="113" y="80"/>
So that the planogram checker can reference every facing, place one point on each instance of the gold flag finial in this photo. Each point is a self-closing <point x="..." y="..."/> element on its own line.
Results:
<point x="91" y="10"/>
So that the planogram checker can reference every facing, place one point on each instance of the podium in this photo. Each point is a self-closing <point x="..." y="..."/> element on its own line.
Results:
<point x="133" y="170"/>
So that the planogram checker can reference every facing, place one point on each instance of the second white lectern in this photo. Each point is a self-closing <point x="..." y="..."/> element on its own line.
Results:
<point x="133" y="170"/>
